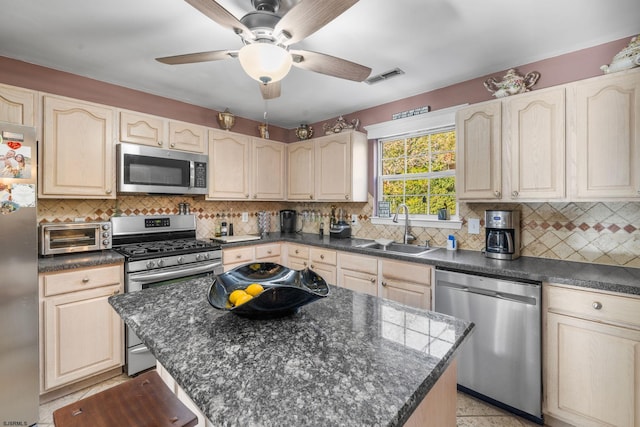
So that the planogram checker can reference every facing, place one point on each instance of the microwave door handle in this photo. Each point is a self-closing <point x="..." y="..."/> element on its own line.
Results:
<point x="168" y="275"/>
<point x="192" y="174"/>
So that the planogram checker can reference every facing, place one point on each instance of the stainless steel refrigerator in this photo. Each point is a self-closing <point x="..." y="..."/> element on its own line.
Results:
<point x="18" y="276"/>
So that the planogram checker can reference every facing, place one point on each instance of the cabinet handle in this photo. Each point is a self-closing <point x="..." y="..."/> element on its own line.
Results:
<point x="108" y="191"/>
<point x="497" y="194"/>
<point x="321" y="256"/>
<point x="255" y="196"/>
<point x="597" y="305"/>
<point x="116" y="292"/>
<point x="304" y="263"/>
<point x="297" y="251"/>
<point x="160" y="143"/>
<point x="246" y="195"/>
<point x="384" y="284"/>
<point x="269" y="252"/>
<point x="372" y="280"/>
<point x="514" y="193"/>
<point x="85" y="279"/>
<point x="238" y="256"/>
<point x="346" y="196"/>
<point x="172" y="145"/>
<point x="312" y="266"/>
<point x="311" y="196"/>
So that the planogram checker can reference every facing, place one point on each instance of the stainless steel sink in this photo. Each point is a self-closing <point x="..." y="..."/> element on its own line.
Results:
<point x="398" y="248"/>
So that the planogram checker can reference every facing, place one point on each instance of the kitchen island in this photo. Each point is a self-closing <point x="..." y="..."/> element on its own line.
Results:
<point x="349" y="359"/>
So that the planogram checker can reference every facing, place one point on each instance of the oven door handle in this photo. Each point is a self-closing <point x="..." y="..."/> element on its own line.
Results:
<point x="144" y="278"/>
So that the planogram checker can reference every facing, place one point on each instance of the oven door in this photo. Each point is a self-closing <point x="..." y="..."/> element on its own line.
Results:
<point x="139" y="357"/>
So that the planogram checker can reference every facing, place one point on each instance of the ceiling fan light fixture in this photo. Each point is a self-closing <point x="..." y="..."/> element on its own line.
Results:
<point x="265" y="62"/>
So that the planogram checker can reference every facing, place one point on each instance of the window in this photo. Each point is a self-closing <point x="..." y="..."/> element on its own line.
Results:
<point x="419" y="171"/>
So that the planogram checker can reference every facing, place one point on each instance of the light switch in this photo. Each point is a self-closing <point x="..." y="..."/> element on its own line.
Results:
<point x="354" y="219"/>
<point x="474" y="226"/>
<point x="245" y="216"/>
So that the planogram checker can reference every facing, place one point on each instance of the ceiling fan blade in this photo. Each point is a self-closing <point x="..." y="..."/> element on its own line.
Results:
<point x="190" y="58"/>
<point x="271" y="90"/>
<point x="329" y="65"/>
<point x="308" y="16"/>
<point x="222" y="16"/>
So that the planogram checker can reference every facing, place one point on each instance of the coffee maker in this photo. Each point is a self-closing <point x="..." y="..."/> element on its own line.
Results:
<point x="502" y="234"/>
<point x="288" y="221"/>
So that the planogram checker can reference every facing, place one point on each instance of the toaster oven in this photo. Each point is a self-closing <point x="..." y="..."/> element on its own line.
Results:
<point x="63" y="238"/>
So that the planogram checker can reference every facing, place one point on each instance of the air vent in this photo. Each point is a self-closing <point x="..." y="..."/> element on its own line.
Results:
<point x="384" y="76"/>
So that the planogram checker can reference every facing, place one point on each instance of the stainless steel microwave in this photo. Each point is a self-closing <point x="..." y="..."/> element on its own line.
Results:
<point x="143" y="169"/>
<point x="69" y="237"/>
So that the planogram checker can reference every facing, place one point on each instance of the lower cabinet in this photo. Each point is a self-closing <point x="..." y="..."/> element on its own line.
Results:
<point x="81" y="335"/>
<point x="235" y="257"/>
<point x="592" y="358"/>
<point x="406" y="282"/>
<point x="358" y="273"/>
<point x="322" y="261"/>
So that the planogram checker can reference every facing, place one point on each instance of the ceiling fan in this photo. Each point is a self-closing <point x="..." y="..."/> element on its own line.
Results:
<point x="266" y="55"/>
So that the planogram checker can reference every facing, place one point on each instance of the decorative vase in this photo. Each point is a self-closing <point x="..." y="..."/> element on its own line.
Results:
<point x="304" y="132"/>
<point x="226" y="120"/>
<point x="263" y="128"/>
<point x="512" y="83"/>
<point x="627" y="58"/>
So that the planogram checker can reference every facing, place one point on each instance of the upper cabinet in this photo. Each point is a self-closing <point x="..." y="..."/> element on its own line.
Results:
<point x="534" y="145"/>
<point x="513" y="149"/>
<point x="300" y="170"/>
<point x="479" y="151"/>
<point x="155" y="131"/>
<point x="341" y="167"/>
<point x="78" y="156"/>
<point x="17" y="105"/>
<point x="245" y="168"/>
<point x="606" y="141"/>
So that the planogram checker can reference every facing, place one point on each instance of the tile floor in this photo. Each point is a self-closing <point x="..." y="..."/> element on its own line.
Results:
<point x="471" y="411"/>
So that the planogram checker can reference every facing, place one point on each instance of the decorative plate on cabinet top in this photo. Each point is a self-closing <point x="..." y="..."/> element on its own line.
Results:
<point x="265" y="290"/>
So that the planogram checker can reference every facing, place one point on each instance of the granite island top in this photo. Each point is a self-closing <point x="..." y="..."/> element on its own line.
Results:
<point x="349" y="359"/>
<point x="587" y="275"/>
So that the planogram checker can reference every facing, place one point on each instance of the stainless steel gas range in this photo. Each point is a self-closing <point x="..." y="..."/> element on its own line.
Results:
<point x="159" y="250"/>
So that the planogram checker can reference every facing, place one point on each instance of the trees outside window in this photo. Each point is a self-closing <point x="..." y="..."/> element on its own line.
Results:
<point x="419" y="171"/>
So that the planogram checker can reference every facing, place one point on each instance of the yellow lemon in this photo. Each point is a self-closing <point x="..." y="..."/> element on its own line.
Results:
<point x="243" y="298"/>
<point x="254" y="289"/>
<point x="233" y="296"/>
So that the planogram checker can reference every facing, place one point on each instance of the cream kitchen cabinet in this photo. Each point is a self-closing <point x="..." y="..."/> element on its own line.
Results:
<point x="17" y="105"/>
<point x="78" y="157"/>
<point x="606" y="140"/>
<point x="81" y="335"/>
<point x="268" y="171"/>
<point x="245" y="168"/>
<point x="235" y="257"/>
<point x="300" y="170"/>
<point x="405" y="282"/>
<point x="513" y="149"/>
<point x="592" y="357"/>
<point x="358" y="273"/>
<point x="155" y="131"/>
<point x="341" y="167"/>
<point x="320" y="260"/>
<point x="479" y="152"/>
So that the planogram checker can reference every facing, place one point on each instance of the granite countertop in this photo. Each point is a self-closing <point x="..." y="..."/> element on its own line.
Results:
<point x="349" y="359"/>
<point x="48" y="264"/>
<point x="624" y="280"/>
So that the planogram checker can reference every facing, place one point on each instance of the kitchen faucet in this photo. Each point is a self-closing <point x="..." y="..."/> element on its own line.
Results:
<point x="407" y="237"/>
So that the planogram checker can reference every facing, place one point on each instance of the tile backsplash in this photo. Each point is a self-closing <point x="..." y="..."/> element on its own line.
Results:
<point x="602" y="233"/>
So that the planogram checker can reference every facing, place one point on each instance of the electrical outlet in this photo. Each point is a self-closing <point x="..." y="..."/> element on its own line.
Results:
<point x="245" y="216"/>
<point x="474" y="226"/>
<point x="354" y="219"/>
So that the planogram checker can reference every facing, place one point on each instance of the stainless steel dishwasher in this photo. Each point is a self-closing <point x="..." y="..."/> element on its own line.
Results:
<point x="501" y="360"/>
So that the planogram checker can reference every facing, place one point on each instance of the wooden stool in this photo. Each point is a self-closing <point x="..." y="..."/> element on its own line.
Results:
<point x="144" y="401"/>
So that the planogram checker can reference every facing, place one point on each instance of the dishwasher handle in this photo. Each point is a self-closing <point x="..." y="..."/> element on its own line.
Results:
<point x="493" y="294"/>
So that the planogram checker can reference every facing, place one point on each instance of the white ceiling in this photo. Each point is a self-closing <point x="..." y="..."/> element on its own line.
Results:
<point x="436" y="42"/>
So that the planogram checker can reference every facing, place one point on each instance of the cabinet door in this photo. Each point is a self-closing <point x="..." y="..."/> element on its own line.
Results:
<point x="333" y="167"/>
<point x="17" y="105"/>
<point x="78" y="150"/>
<point x="592" y="372"/>
<point x="535" y="145"/>
<point x="268" y="253"/>
<point x="406" y="283"/>
<point x="358" y="273"/>
<point x="82" y="334"/>
<point x="607" y="137"/>
<point x="142" y="129"/>
<point x="268" y="170"/>
<point x="187" y="136"/>
<point x="478" y="150"/>
<point x="229" y="165"/>
<point x="300" y="167"/>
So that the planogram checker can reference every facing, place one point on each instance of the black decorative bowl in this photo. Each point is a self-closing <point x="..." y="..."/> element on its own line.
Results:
<point x="285" y="290"/>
